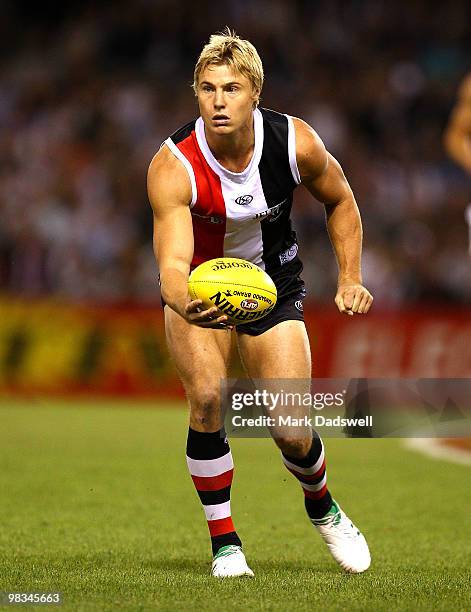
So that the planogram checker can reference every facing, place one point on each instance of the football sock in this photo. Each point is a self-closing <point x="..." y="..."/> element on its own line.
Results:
<point x="311" y="473"/>
<point x="209" y="460"/>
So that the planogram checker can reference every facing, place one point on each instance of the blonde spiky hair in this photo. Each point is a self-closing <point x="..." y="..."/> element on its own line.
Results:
<point x="227" y="48"/>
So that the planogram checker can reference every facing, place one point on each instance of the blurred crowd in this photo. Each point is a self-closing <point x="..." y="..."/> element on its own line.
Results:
<point x="88" y="91"/>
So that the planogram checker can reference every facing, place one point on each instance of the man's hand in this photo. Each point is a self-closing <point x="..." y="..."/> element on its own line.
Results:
<point x="353" y="298"/>
<point x="210" y="318"/>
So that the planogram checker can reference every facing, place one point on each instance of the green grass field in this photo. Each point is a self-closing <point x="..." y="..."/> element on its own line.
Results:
<point x="96" y="503"/>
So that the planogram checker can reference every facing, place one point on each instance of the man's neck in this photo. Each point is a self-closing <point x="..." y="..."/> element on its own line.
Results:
<point x="233" y="151"/>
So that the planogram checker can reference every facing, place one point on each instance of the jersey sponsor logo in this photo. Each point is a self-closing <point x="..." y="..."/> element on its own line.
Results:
<point x="277" y="211"/>
<point x="243" y="200"/>
<point x="272" y="213"/>
<point x="248" y="304"/>
<point x="269" y="213"/>
<point x="289" y="254"/>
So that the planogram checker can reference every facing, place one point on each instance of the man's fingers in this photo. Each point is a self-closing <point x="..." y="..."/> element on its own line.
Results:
<point x="215" y="325"/>
<point x="339" y="302"/>
<point x="219" y="323"/>
<point x="193" y="306"/>
<point x="363" y="302"/>
<point x="210" y="319"/>
<point x="368" y="304"/>
<point x="348" y="298"/>
<point x="358" y="297"/>
<point x="341" y="305"/>
<point x="353" y="299"/>
<point x="203" y="316"/>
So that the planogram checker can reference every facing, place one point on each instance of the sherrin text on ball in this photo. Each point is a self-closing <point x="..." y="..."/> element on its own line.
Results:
<point x="239" y="289"/>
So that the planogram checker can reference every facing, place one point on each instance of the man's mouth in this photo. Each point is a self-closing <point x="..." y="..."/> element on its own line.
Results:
<point x="220" y="119"/>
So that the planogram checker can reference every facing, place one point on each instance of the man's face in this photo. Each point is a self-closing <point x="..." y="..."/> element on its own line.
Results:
<point x="225" y="98"/>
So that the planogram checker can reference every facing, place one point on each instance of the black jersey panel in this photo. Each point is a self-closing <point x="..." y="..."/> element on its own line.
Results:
<point x="183" y="132"/>
<point x="278" y="185"/>
<point x="274" y="167"/>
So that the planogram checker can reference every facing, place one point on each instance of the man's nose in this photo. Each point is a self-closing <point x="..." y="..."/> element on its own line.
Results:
<point x="219" y="99"/>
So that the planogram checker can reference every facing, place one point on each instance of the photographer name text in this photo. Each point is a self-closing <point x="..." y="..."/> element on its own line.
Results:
<point x="288" y="421"/>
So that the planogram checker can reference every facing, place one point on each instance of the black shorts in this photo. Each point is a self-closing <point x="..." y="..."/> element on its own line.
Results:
<point x="288" y="308"/>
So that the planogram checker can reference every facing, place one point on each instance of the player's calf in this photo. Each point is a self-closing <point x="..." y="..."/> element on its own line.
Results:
<point x="294" y="447"/>
<point x="311" y="472"/>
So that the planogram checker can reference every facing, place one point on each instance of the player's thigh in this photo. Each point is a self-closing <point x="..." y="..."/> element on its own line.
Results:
<point x="281" y="358"/>
<point x="201" y="356"/>
<point x="281" y="352"/>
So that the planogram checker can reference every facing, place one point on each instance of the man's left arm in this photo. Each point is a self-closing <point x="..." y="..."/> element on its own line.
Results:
<point x="322" y="175"/>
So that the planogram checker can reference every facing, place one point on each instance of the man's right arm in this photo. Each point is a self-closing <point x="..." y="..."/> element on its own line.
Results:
<point x="457" y="137"/>
<point x="169" y="190"/>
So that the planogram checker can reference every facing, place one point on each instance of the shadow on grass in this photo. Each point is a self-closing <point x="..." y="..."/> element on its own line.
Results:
<point x="269" y="567"/>
<point x="201" y="566"/>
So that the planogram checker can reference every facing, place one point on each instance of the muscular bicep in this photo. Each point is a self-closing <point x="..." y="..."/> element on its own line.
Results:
<point x="169" y="191"/>
<point x="320" y="172"/>
<point x="329" y="187"/>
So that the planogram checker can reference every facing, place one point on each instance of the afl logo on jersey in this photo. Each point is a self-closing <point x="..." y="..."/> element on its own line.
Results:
<point x="243" y="200"/>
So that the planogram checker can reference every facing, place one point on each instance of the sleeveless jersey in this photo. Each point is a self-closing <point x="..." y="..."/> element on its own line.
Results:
<point x="245" y="214"/>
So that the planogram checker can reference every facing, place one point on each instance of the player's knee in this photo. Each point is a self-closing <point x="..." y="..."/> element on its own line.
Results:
<point x="294" y="447"/>
<point x="205" y="406"/>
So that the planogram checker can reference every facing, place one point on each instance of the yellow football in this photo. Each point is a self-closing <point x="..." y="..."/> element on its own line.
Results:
<point x="240" y="289"/>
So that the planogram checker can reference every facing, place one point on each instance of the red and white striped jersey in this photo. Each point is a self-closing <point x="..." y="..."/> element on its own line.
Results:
<point x="245" y="214"/>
